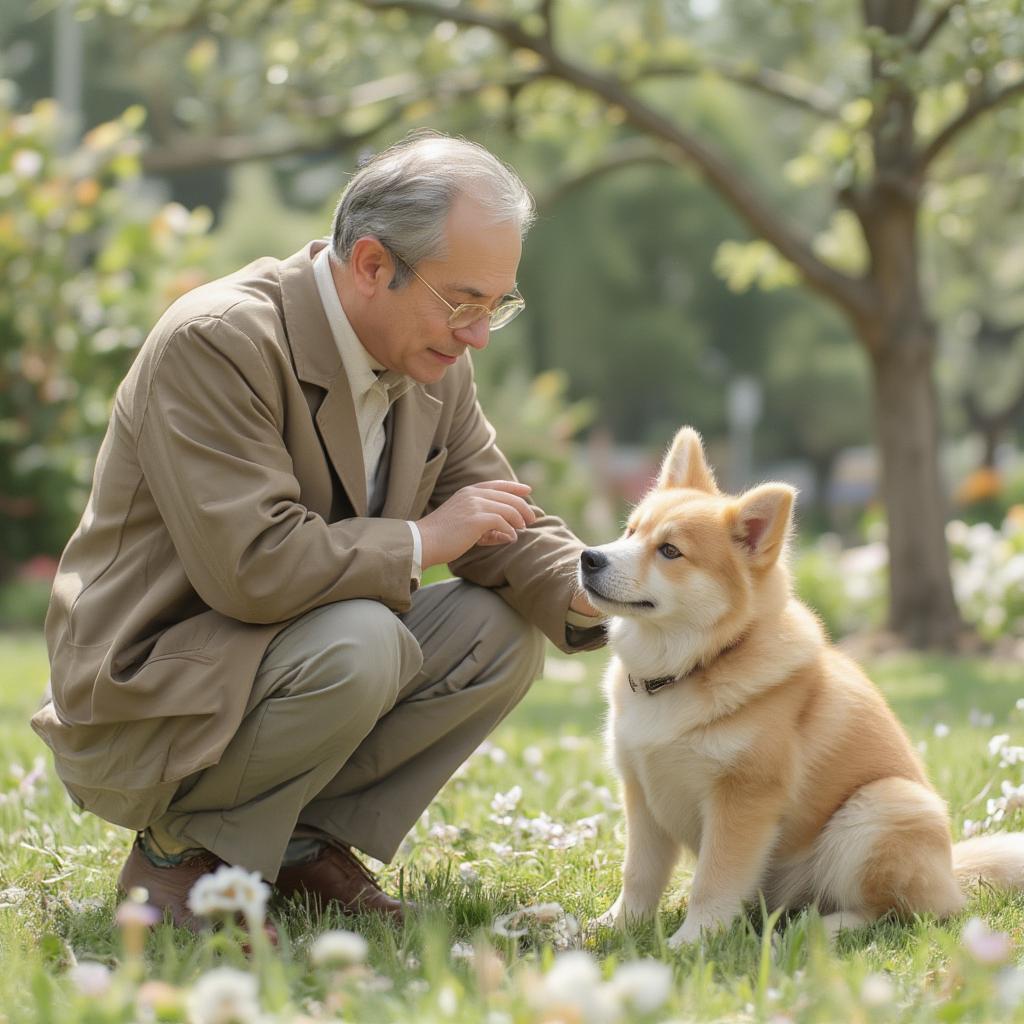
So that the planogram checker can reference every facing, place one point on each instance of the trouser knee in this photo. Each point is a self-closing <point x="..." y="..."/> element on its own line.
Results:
<point x="358" y="650"/>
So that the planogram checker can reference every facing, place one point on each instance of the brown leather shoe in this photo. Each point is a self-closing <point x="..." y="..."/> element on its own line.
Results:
<point x="168" y="888"/>
<point x="338" y="876"/>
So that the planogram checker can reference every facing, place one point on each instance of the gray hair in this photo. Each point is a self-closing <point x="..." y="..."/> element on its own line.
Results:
<point x="402" y="196"/>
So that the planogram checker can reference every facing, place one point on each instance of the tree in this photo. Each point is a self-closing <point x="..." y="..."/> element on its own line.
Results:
<point x="872" y="102"/>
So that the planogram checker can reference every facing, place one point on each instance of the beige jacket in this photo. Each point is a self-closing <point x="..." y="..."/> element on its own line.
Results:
<point x="228" y="498"/>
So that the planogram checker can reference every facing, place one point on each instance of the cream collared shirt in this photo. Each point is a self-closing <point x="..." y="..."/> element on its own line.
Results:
<point x="374" y="388"/>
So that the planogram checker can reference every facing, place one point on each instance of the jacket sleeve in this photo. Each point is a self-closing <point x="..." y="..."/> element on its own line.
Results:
<point x="536" y="574"/>
<point x="211" y="447"/>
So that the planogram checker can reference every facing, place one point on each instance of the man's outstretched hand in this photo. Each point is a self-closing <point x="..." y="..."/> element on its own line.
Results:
<point x="487" y="513"/>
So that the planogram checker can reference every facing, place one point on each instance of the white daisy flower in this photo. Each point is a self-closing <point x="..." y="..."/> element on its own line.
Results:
<point x="91" y="979"/>
<point x="339" y="948"/>
<point x="643" y="985"/>
<point x="224" y="996"/>
<point x="231" y="890"/>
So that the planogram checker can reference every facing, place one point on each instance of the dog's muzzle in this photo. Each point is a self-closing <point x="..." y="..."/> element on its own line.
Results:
<point x="592" y="562"/>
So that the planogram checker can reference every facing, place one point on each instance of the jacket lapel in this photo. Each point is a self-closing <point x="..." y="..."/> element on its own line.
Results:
<point x="415" y="419"/>
<point x="318" y="362"/>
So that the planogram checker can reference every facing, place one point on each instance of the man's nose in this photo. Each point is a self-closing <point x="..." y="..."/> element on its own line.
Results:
<point x="476" y="335"/>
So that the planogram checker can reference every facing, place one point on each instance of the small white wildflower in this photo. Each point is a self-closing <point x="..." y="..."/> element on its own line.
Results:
<point x="941" y="730"/>
<point x="533" y="756"/>
<point x="447" y="1000"/>
<point x="505" y="803"/>
<point x="91" y="979"/>
<point x="573" y="990"/>
<point x="981" y="719"/>
<point x="643" y="985"/>
<point x="338" y="948"/>
<point x="461" y="951"/>
<point x="224" y="996"/>
<point x="985" y="945"/>
<point x="468" y="874"/>
<point x="231" y="890"/>
<point x="996" y="743"/>
<point x="877" y="990"/>
<point x="445" y="834"/>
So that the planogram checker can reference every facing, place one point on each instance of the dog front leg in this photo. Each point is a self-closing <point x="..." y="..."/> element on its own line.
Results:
<point x="650" y="856"/>
<point x="740" y="828"/>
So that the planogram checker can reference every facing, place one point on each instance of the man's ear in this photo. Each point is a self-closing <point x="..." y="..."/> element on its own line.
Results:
<point x="371" y="265"/>
<point x="685" y="465"/>
<point x="761" y="520"/>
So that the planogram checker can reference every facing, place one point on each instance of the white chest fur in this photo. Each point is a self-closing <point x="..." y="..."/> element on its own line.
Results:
<point x="674" y="746"/>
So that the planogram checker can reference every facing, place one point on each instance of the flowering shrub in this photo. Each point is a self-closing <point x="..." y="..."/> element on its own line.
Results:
<point x="88" y="263"/>
<point x="847" y="587"/>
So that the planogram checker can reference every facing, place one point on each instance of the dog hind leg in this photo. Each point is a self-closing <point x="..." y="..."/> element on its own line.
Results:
<point x="887" y="849"/>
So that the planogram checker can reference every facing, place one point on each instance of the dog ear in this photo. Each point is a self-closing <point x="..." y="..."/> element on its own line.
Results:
<point x="685" y="465"/>
<point x="762" y="517"/>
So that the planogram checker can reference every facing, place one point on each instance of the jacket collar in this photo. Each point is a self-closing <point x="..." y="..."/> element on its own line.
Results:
<point x="317" y="361"/>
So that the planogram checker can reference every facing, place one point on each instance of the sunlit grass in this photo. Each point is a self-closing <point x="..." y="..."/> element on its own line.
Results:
<point x="472" y="857"/>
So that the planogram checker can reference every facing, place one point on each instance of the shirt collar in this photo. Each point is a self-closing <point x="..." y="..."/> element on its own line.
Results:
<point x="362" y="369"/>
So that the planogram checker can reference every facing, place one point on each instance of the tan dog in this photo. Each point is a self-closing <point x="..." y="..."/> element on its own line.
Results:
<point x="742" y="734"/>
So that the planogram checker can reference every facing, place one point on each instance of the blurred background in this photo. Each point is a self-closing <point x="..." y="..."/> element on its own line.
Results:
<point x="793" y="224"/>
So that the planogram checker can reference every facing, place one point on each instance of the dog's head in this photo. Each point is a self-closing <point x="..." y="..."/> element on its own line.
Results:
<point x="692" y="556"/>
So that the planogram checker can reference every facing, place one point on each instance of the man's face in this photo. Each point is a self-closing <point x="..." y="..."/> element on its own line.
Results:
<point x="412" y="334"/>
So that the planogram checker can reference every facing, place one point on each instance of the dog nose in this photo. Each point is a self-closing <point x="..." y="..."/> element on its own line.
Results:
<point x="592" y="560"/>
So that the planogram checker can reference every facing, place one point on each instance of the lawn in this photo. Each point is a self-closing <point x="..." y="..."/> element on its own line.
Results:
<point x="531" y="819"/>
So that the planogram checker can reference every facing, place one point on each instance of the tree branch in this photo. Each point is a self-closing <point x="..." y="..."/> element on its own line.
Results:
<point x="851" y="294"/>
<point x="932" y="28"/>
<point x="776" y="84"/>
<point x="627" y="154"/>
<point x="981" y="104"/>
<point x="190" y="153"/>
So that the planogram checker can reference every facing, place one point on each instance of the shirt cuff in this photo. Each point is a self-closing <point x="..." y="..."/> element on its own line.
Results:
<point x="583" y="621"/>
<point x="417" y="553"/>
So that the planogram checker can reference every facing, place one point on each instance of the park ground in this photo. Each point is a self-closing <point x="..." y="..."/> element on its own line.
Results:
<point x="532" y="820"/>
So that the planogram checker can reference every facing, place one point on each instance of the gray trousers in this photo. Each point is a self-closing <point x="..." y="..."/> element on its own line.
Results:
<point x="357" y="717"/>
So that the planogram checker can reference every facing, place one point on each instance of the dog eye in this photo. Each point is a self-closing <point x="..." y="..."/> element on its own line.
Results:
<point x="669" y="551"/>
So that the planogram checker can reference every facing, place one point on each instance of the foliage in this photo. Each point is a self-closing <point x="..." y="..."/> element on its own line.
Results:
<point x="847" y="587"/>
<point x="529" y="821"/>
<point x="88" y="262"/>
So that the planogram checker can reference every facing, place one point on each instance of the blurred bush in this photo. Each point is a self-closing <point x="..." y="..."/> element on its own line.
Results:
<point x="88" y="262"/>
<point x="847" y="587"/>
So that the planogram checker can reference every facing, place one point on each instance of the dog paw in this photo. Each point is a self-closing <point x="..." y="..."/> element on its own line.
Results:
<point x="611" y="918"/>
<point x="693" y="929"/>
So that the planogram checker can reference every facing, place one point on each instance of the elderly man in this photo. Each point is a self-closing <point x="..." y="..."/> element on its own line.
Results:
<point x="244" y="669"/>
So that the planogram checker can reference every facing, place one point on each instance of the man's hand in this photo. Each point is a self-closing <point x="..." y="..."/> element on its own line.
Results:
<point x="487" y="513"/>
<point x="581" y="604"/>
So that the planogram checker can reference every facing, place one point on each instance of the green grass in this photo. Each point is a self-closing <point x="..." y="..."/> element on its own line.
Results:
<point x="57" y="872"/>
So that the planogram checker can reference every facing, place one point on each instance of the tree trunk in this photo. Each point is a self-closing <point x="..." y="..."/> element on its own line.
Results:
<point x="922" y="608"/>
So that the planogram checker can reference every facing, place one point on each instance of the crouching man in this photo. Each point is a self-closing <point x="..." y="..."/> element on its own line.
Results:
<point x="244" y="669"/>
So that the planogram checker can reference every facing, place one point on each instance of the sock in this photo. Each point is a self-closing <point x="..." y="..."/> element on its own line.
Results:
<point x="163" y="850"/>
<point x="302" y="849"/>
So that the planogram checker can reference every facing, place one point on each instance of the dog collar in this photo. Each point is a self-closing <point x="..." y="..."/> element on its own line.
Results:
<point x="654" y="685"/>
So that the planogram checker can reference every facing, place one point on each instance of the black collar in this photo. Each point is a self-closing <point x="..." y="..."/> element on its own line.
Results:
<point x="654" y="685"/>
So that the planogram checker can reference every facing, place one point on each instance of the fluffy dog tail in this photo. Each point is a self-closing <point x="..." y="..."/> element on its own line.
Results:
<point x="996" y="859"/>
